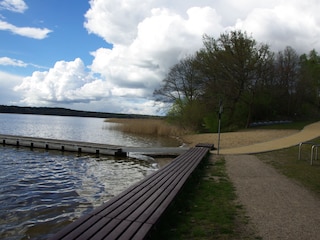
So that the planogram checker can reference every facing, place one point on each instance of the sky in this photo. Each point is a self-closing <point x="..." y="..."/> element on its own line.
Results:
<point x="110" y="55"/>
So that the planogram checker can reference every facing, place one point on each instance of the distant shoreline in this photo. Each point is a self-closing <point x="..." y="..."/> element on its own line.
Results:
<point x="66" y="112"/>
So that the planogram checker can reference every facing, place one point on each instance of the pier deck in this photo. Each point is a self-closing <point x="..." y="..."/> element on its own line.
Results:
<point x="134" y="213"/>
<point x="86" y="147"/>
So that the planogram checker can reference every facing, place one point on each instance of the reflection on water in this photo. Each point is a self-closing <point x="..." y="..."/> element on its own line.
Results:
<point x="76" y="128"/>
<point x="40" y="192"/>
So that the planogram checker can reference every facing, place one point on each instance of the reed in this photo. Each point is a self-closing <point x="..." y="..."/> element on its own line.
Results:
<point x="156" y="127"/>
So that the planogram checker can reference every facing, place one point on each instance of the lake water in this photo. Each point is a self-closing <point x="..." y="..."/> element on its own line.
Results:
<point x="75" y="128"/>
<point x="41" y="192"/>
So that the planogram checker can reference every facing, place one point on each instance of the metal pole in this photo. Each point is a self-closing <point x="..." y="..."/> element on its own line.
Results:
<point x="219" y="125"/>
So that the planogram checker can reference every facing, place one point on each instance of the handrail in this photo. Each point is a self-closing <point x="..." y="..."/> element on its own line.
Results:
<point x="302" y="143"/>
<point x="312" y="150"/>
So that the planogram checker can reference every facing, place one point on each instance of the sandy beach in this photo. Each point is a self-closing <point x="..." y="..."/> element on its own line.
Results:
<point x="237" y="139"/>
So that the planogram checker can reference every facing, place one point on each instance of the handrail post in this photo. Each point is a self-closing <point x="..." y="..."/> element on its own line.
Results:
<point x="311" y="161"/>
<point x="299" y="156"/>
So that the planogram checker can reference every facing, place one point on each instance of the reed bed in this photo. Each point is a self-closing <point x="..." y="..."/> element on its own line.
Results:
<point x="155" y="127"/>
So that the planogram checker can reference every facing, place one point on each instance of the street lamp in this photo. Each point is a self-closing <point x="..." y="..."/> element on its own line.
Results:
<point x="219" y="124"/>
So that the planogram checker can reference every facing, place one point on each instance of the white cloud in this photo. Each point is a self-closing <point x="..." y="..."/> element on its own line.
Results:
<point x="70" y="83"/>
<point x="14" y="5"/>
<point x="293" y="24"/>
<point x="66" y="82"/>
<point x="5" y="61"/>
<point x="148" y="37"/>
<point x="162" y="39"/>
<point x="36" y="33"/>
<point x="115" y="23"/>
<point x="8" y="81"/>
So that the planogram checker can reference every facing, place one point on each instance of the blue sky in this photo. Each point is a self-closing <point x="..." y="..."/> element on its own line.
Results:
<point x="67" y="39"/>
<point x="107" y="55"/>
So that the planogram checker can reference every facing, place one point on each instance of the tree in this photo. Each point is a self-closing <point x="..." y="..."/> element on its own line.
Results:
<point x="182" y="88"/>
<point x="285" y="82"/>
<point x="308" y="87"/>
<point x="235" y="66"/>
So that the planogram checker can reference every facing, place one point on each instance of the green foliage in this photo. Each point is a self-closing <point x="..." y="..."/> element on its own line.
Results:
<point x="211" y="122"/>
<point x="187" y="115"/>
<point x="264" y="107"/>
<point x="254" y="83"/>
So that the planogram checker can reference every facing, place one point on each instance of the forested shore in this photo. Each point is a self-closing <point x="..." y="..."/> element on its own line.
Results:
<point x="65" y="112"/>
<point x="242" y="81"/>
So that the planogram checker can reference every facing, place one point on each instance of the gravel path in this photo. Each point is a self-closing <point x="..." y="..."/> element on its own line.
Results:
<point x="278" y="207"/>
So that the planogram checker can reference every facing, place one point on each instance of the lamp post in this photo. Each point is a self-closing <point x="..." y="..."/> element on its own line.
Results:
<point x="219" y="123"/>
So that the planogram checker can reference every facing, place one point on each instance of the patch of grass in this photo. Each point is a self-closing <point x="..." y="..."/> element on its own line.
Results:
<point x="206" y="209"/>
<point x="286" y="162"/>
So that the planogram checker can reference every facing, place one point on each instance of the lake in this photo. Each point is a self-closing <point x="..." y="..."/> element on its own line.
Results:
<point x="42" y="191"/>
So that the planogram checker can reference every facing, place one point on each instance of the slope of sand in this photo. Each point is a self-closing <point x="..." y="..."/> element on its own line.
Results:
<point x="237" y="139"/>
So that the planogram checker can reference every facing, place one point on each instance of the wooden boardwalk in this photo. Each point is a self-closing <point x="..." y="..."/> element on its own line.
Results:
<point x="85" y="147"/>
<point x="135" y="212"/>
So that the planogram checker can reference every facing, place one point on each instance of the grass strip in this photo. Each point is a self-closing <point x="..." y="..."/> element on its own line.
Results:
<point x="287" y="163"/>
<point x="206" y="209"/>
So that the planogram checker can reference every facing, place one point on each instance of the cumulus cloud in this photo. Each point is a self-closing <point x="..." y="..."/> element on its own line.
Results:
<point x="66" y="82"/>
<point x="293" y="24"/>
<point x="161" y="40"/>
<point x="36" y="33"/>
<point x="71" y="83"/>
<point x="149" y="37"/>
<point x="14" y="5"/>
<point x="115" y="23"/>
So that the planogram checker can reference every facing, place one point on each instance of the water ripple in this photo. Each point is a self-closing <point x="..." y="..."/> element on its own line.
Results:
<point x="41" y="192"/>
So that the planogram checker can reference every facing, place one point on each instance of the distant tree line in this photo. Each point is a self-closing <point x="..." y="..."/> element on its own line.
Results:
<point x="252" y="82"/>
<point x="66" y="112"/>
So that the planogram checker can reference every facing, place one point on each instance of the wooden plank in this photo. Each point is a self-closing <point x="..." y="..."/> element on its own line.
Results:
<point x="131" y="231"/>
<point x="81" y="228"/>
<point x="131" y="214"/>
<point x="154" y="201"/>
<point x="132" y="194"/>
<point x="206" y="145"/>
<point x="142" y="201"/>
<point x="160" y="209"/>
<point x="142" y="232"/>
<point x="70" y="227"/>
<point x="96" y="228"/>
<point x="117" y="231"/>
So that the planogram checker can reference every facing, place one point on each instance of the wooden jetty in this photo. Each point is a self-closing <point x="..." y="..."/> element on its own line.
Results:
<point x="134" y="213"/>
<point x="87" y="147"/>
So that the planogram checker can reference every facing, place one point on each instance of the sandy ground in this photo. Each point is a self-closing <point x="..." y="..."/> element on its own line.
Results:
<point x="237" y="139"/>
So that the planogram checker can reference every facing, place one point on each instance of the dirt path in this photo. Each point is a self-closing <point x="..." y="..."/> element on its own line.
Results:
<point x="278" y="207"/>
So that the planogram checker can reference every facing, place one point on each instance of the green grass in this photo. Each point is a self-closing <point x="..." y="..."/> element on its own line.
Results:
<point x="206" y="210"/>
<point x="286" y="162"/>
